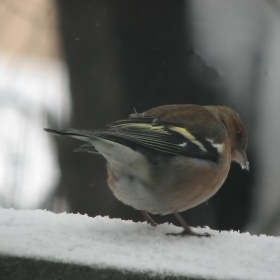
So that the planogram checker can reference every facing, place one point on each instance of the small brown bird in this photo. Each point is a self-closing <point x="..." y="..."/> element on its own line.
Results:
<point x="170" y="158"/>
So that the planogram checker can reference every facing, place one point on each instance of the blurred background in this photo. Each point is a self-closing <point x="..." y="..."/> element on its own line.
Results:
<point x="84" y="64"/>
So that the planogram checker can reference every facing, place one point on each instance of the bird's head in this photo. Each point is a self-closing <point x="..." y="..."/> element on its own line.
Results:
<point x="237" y="135"/>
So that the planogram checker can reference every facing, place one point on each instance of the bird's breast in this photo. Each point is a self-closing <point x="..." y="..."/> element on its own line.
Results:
<point x="170" y="184"/>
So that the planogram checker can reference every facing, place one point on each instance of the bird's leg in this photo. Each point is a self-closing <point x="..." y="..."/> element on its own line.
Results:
<point x="187" y="230"/>
<point x="148" y="218"/>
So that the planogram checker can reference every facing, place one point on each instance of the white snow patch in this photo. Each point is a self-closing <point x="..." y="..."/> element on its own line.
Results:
<point x="125" y="245"/>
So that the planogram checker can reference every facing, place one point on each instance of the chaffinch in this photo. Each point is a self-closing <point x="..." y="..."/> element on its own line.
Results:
<point x="170" y="158"/>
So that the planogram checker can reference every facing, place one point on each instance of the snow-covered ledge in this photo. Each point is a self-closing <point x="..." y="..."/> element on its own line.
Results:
<point x="43" y="245"/>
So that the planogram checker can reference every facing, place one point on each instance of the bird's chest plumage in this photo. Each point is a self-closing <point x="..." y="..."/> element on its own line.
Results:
<point x="130" y="183"/>
<point x="166" y="185"/>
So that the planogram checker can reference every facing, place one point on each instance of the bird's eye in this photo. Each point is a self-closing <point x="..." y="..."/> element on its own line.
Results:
<point x="239" y="135"/>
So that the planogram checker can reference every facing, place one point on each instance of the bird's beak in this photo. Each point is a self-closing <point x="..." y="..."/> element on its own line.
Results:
<point x="241" y="158"/>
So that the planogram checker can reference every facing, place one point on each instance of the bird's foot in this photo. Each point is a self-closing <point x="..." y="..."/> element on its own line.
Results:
<point x="190" y="233"/>
<point x="187" y="229"/>
<point x="152" y="223"/>
<point x="148" y="218"/>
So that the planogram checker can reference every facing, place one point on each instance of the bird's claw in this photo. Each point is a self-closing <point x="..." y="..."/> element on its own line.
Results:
<point x="191" y="233"/>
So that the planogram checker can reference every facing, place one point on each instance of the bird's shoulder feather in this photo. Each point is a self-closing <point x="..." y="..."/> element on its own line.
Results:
<point x="174" y="130"/>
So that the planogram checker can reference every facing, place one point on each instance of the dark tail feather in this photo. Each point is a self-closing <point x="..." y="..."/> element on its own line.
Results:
<point x="84" y="135"/>
<point x="88" y="148"/>
<point x="56" y="132"/>
<point x="66" y="132"/>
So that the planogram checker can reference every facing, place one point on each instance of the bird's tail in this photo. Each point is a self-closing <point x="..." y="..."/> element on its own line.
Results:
<point x="85" y="135"/>
<point x="82" y="134"/>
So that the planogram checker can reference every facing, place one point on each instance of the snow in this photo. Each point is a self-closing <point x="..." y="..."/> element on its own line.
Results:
<point x="124" y="245"/>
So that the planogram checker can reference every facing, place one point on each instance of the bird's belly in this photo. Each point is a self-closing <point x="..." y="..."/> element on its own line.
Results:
<point x="166" y="188"/>
<point x="136" y="192"/>
<point x="166" y="198"/>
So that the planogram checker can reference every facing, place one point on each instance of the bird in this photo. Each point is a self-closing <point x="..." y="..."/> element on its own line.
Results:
<point x="168" y="159"/>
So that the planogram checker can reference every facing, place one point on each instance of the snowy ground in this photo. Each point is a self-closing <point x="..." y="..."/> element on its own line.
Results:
<point x="125" y="245"/>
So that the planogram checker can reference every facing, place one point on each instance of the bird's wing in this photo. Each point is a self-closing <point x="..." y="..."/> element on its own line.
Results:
<point x="173" y="130"/>
<point x="163" y="137"/>
<point x="143" y="133"/>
